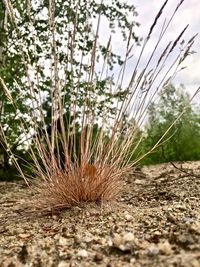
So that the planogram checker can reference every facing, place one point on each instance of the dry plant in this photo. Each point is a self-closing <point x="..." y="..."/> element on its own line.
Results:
<point x="71" y="167"/>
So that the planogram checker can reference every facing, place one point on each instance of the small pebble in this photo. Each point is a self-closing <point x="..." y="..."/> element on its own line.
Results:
<point x="117" y="240"/>
<point x="195" y="227"/>
<point x="128" y="217"/>
<point x="195" y="263"/>
<point x="63" y="241"/>
<point x="171" y="218"/>
<point x="88" y="239"/>
<point x="139" y="182"/>
<point x="124" y="241"/>
<point x="165" y="248"/>
<point x="82" y="253"/>
<point x="98" y="257"/>
<point x="62" y="264"/>
<point x="152" y="250"/>
<point x="128" y="237"/>
<point x="181" y="207"/>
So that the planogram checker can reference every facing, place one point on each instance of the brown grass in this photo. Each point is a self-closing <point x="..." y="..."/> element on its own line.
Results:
<point x="80" y="185"/>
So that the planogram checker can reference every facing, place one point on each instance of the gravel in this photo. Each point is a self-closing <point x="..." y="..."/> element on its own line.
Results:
<point x="154" y="222"/>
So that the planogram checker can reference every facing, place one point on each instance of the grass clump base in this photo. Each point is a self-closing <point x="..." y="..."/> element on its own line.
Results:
<point x="79" y="185"/>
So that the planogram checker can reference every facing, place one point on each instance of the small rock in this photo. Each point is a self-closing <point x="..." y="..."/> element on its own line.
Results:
<point x="171" y="218"/>
<point x="62" y="264"/>
<point x="169" y="209"/>
<point x="117" y="240"/>
<point x="82" y="253"/>
<point x="157" y="233"/>
<point x="128" y="217"/>
<point x="165" y="248"/>
<point x="98" y="257"/>
<point x="87" y="239"/>
<point x="195" y="227"/>
<point x="128" y="237"/>
<point x="139" y="182"/>
<point x="153" y="250"/>
<point x="133" y="260"/>
<point x="63" y="241"/>
<point x="181" y="207"/>
<point x="195" y="263"/>
<point x="123" y="242"/>
<point x="188" y="220"/>
<point x="24" y="236"/>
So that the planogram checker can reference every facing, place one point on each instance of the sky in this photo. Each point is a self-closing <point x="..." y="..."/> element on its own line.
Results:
<point x="189" y="13"/>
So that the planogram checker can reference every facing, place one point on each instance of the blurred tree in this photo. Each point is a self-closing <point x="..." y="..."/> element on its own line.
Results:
<point x="183" y="138"/>
<point x="11" y="70"/>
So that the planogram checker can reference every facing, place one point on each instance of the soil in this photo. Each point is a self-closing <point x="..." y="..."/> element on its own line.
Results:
<point x="154" y="222"/>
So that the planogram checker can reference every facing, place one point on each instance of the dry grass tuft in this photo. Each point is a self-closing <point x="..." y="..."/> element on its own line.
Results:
<point x="80" y="185"/>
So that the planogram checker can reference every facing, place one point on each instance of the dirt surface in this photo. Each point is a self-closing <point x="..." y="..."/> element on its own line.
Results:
<point x="155" y="222"/>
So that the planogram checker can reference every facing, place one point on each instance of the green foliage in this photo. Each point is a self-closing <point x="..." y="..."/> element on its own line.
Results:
<point x="182" y="141"/>
<point x="31" y="42"/>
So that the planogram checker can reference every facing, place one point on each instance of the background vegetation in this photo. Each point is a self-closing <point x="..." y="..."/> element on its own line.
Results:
<point x="182" y="141"/>
<point x="74" y="36"/>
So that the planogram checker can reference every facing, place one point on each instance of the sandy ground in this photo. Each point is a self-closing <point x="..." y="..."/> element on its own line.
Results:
<point x="155" y="222"/>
